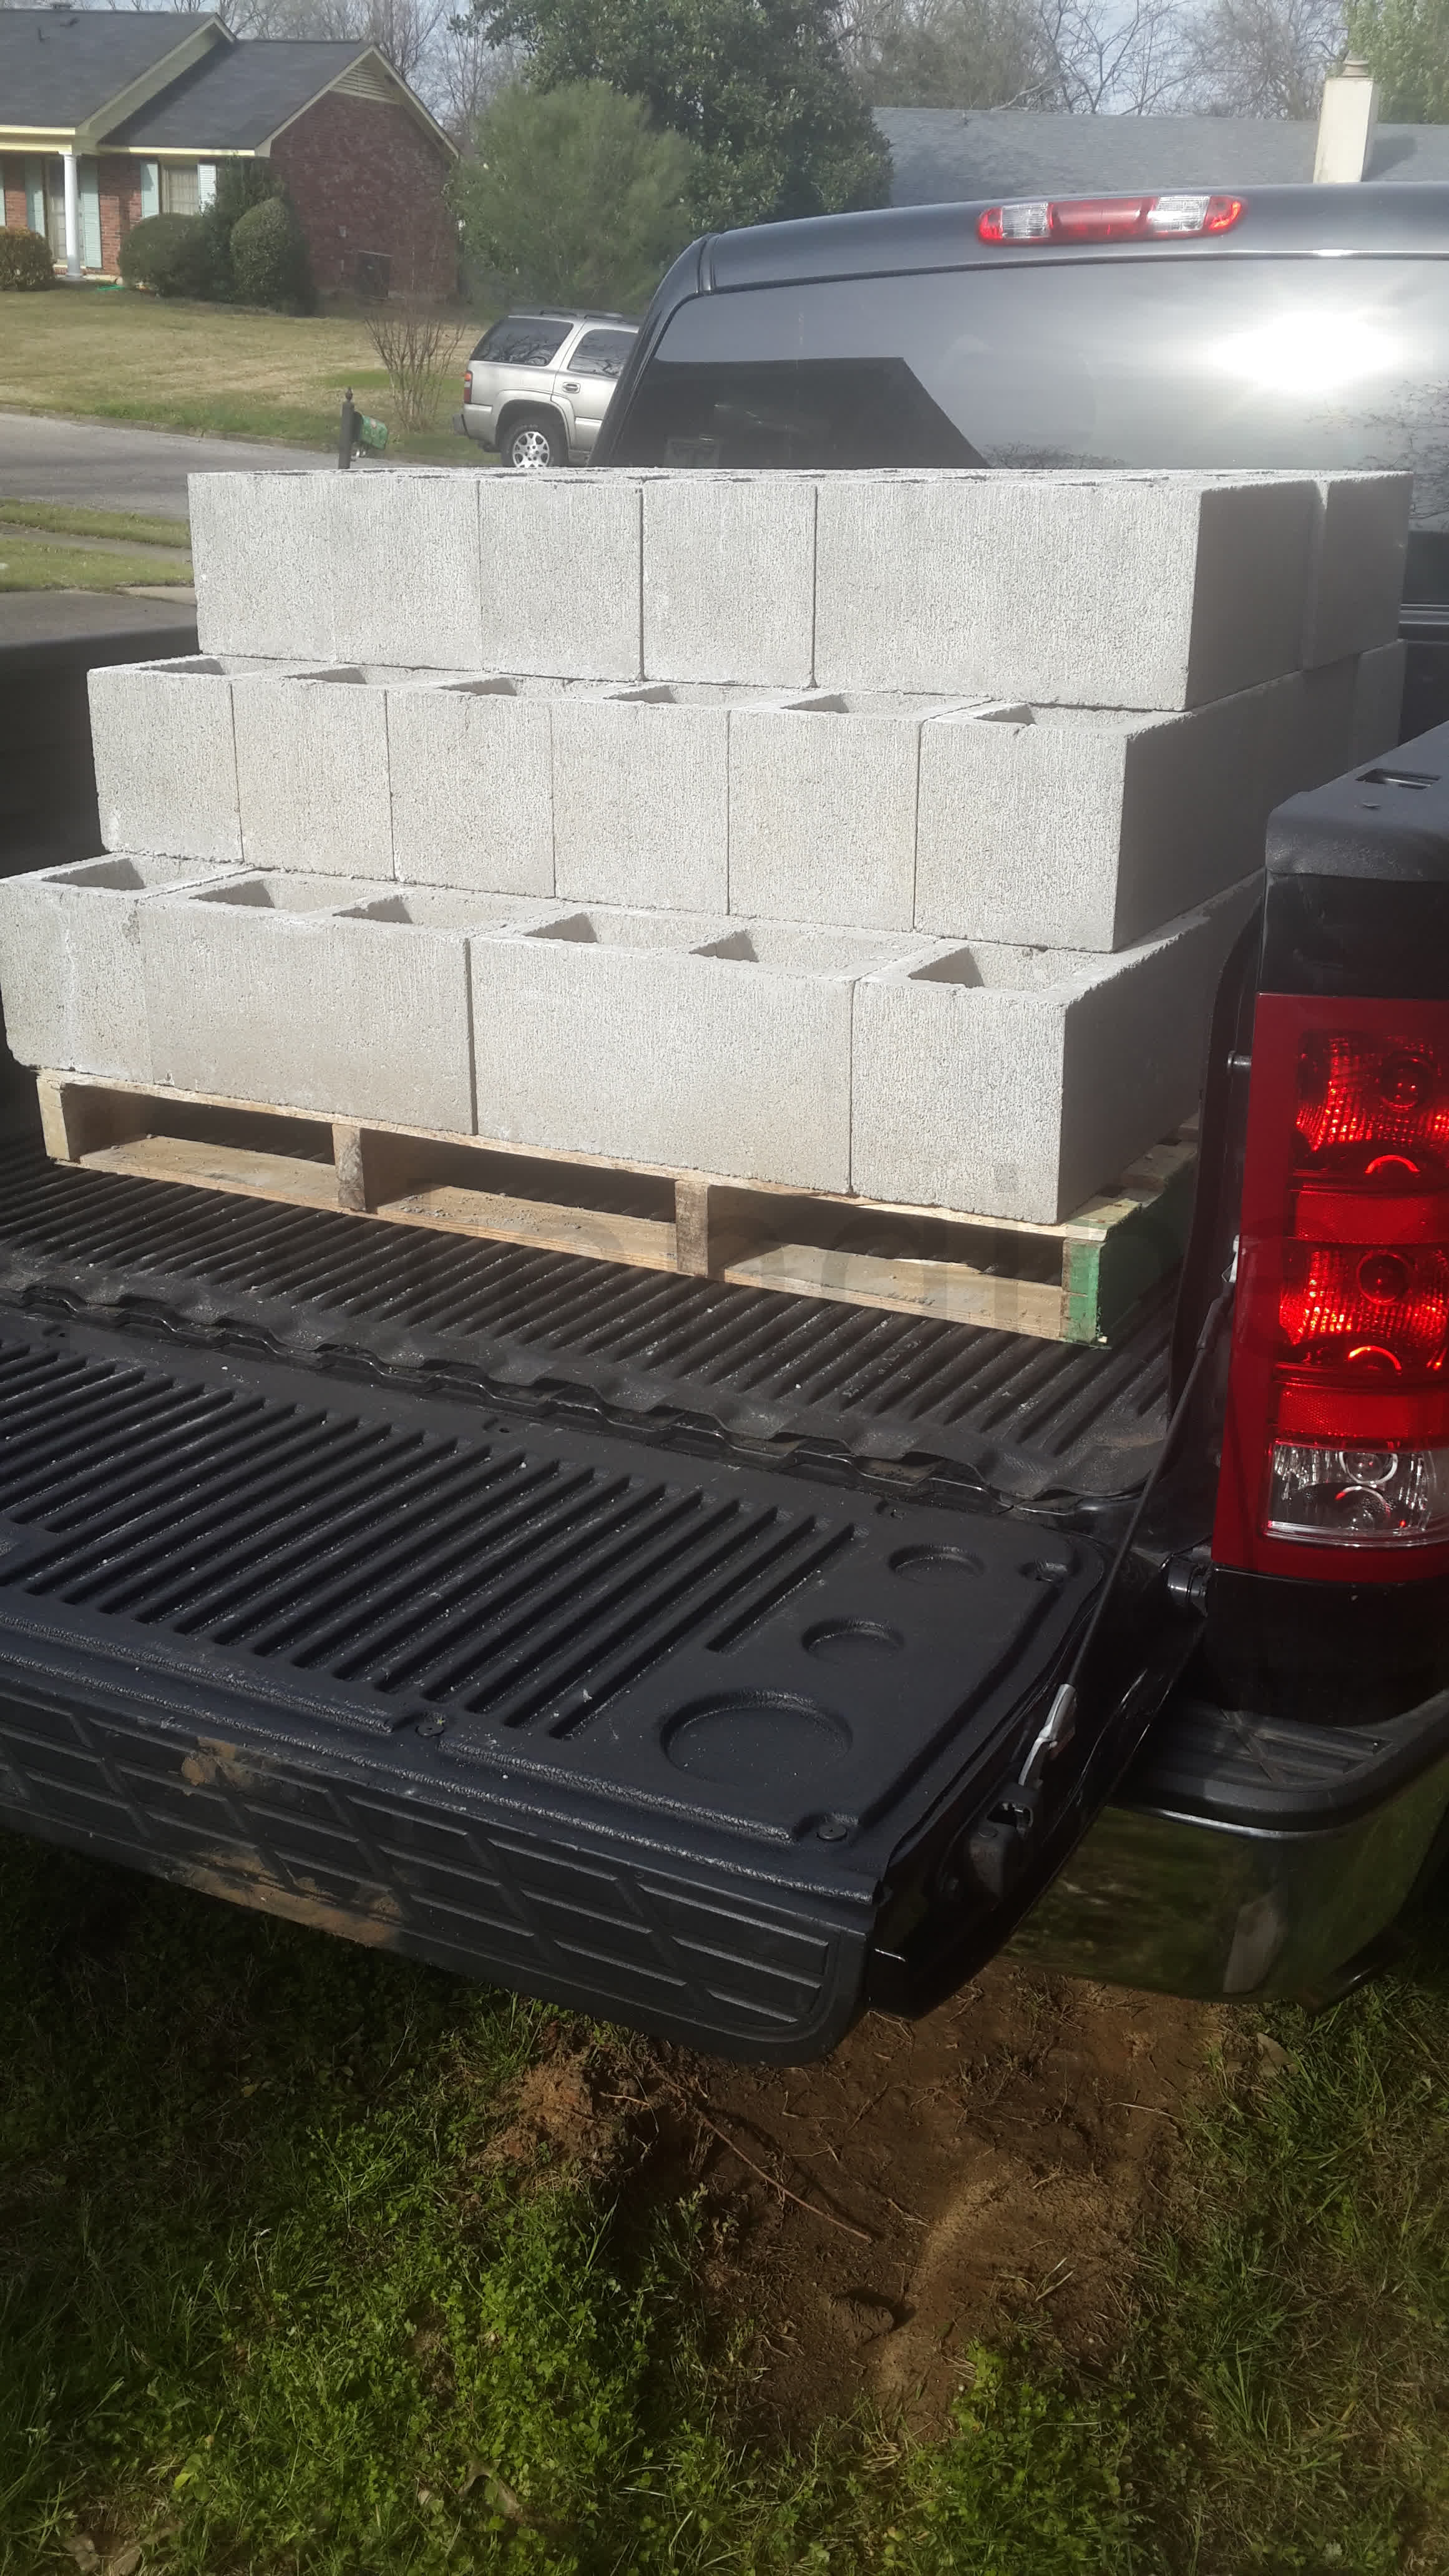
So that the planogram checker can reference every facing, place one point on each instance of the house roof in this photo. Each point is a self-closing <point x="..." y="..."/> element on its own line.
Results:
<point x="235" y="99"/>
<point x="947" y="155"/>
<point x="59" y="68"/>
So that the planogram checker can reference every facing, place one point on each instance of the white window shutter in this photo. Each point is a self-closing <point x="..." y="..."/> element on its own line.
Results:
<point x="35" y="196"/>
<point x="150" y="189"/>
<point x="205" y="183"/>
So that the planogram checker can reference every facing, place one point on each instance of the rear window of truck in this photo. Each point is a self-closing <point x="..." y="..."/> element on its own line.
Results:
<point x="1192" y="361"/>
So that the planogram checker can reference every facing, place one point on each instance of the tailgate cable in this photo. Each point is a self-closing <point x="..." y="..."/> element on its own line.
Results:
<point x="1060" y="1723"/>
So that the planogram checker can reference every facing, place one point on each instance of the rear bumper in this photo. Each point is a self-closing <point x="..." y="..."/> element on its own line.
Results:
<point x="1247" y="1858"/>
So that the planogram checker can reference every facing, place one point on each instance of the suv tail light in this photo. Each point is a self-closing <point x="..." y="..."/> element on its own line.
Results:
<point x="1088" y="219"/>
<point x="1336" y="1445"/>
<point x="468" y="385"/>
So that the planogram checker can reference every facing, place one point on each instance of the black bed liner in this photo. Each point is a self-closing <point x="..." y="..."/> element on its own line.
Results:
<point x="1031" y="1419"/>
<point x="654" y="1646"/>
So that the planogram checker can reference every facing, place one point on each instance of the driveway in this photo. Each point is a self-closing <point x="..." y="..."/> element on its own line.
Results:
<point x="89" y="464"/>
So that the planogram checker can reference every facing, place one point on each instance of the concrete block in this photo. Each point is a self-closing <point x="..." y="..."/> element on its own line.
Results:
<point x="1115" y="590"/>
<point x="315" y="993"/>
<point x="70" y="961"/>
<point x="165" y="759"/>
<point x="651" y="1038"/>
<point x="264" y="561"/>
<point x="1013" y="1082"/>
<point x="404" y="569"/>
<point x="641" y="811"/>
<point x="1378" y="702"/>
<point x="472" y="794"/>
<point x="1078" y="828"/>
<point x="729" y="578"/>
<point x="823" y="808"/>
<point x="312" y="779"/>
<point x="1356" y="580"/>
<point x="560" y="570"/>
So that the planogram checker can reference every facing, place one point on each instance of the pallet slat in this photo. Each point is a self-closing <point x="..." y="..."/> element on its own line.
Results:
<point x="1077" y="1281"/>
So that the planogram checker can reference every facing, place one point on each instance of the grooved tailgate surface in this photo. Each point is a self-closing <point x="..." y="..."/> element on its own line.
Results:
<point x="1028" y="1417"/>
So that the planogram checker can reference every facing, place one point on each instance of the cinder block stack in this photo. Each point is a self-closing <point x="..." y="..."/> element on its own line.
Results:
<point x="872" y="833"/>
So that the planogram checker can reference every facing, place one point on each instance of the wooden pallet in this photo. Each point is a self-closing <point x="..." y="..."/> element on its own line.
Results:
<point x="1072" y="1282"/>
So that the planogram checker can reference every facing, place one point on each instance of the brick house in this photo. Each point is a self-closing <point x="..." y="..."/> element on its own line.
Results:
<point x="109" y="116"/>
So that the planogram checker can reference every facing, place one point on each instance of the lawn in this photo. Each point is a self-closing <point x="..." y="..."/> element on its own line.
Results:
<point x="95" y="354"/>
<point x="43" y="547"/>
<point x="316" y="2263"/>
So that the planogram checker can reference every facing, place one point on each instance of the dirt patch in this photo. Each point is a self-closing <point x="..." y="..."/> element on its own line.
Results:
<point x="561" y="2117"/>
<point x="992" y="2161"/>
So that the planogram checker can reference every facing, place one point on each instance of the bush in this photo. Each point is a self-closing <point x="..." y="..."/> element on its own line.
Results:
<point x="574" y="195"/>
<point x="269" y="259"/>
<point x="240" y="185"/>
<point x="25" y="261"/>
<point x="169" y="254"/>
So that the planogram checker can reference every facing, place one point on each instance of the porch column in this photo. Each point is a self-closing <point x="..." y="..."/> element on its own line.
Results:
<point x="72" y="215"/>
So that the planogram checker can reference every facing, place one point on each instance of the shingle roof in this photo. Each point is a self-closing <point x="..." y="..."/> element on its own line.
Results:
<point x="233" y="100"/>
<point x="945" y="155"/>
<point x="59" y="68"/>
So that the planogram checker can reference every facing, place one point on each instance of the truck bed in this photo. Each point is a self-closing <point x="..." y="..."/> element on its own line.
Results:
<point x="637" y="1641"/>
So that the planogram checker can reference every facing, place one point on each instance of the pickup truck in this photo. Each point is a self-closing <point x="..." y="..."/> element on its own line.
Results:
<point x="361" y="1576"/>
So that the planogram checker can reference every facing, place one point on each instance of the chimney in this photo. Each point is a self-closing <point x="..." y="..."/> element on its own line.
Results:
<point x="1346" y="123"/>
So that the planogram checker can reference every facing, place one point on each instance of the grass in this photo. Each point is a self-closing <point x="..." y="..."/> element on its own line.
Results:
<point x="270" y="2304"/>
<point x="132" y="526"/>
<point x="92" y="354"/>
<point x="30" y="564"/>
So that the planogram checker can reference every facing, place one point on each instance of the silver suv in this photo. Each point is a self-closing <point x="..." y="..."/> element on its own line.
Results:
<point x="538" y="385"/>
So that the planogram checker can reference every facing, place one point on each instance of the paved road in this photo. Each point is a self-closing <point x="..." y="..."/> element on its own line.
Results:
<point x="90" y="464"/>
<point x="31" y="617"/>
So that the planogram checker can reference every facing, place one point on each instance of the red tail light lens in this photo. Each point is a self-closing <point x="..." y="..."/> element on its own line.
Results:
<point x="1336" y="1449"/>
<point x="468" y="385"/>
<point x="1087" y="219"/>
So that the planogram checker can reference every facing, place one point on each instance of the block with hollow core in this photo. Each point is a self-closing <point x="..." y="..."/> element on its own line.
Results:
<point x="1356" y="580"/>
<point x="70" y="961"/>
<point x="405" y="573"/>
<point x="1114" y="590"/>
<point x="1076" y="827"/>
<point x="729" y="578"/>
<point x="641" y="794"/>
<point x="264" y="558"/>
<point x="1378" y="702"/>
<point x="312" y="779"/>
<point x="313" y="993"/>
<point x="559" y="573"/>
<point x="822" y="808"/>
<point x="706" y="1046"/>
<point x="1013" y="1082"/>
<point x="472" y="796"/>
<point x="165" y="758"/>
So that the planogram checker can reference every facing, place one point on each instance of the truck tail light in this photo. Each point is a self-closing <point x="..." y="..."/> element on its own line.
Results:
<point x="468" y="385"/>
<point x="1336" y="1445"/>
<point x="1091" y="219"/>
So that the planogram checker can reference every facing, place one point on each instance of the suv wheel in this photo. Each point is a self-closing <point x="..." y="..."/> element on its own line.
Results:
<point x="533" y="442"/>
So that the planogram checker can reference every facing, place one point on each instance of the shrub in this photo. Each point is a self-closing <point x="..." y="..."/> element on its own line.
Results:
<point x="169" y="254"/>
<point x="269" y="259"/>
<point x="25" y="261"/>
<point x="240" y="185"/>
<point x="574" y="195"/>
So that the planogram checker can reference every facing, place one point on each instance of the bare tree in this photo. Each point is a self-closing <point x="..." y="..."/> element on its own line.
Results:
<point x="1109" y="60"/>
<point x="465" y="75"/>
<point x="1262" y="57"/>
<point x="945" y="53"/>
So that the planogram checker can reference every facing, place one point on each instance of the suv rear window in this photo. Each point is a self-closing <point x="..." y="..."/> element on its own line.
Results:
<point x="522" y="340"/>
<point x="602" y="353"/>
<point x="1160" y="361"/>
